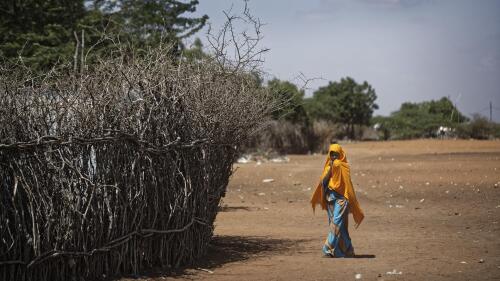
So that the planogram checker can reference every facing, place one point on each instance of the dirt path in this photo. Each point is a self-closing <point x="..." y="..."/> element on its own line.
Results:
<point x="432" y="213"/>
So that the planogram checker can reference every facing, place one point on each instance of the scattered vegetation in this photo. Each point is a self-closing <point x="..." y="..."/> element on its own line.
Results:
<point x="117" y="141"/>
<point x="478" y="128"/>
<point x="420" y="120"/>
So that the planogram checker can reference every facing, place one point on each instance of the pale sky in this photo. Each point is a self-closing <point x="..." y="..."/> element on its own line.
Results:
<point x="408" y="50"/>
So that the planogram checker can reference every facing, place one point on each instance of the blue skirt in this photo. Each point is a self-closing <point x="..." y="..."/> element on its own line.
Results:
<point x="338" y="243"/>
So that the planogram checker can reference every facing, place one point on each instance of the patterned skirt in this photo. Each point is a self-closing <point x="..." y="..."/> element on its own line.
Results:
<point x="338" y="243"/>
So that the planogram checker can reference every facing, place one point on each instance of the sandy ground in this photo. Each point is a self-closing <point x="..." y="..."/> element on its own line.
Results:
<point x="432" y="212"/>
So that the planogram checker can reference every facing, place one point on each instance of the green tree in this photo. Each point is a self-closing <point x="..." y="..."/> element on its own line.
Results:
<point x="446" y="110"/>
<point x="292" y="100"/>
<point x="40" y="32"/>
<point x="195" y="52"/>
<point x="154" y="21"/>
<point x="345" y="102"/>
<point x="415" y="120"/>
<point x="291" y="132"/>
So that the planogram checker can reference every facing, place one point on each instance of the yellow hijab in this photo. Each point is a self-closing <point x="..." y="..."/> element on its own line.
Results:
<point x="340" y="181"/>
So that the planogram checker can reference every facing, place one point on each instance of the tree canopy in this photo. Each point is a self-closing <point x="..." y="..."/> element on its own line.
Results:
<point x="414" y="120"/>
<point x="38" y="31"/>
<point x="345" y="102"/>
<point x="41" y="32"/>
<point x="291" y="97"/>
<point x="154" y="20"/>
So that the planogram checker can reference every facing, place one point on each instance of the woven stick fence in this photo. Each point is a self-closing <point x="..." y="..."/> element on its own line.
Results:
<point x="119" y="168"/>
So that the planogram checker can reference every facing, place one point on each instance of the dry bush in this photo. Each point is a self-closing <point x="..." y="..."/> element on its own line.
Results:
<point x="284" y="137"/>
<point x="324" y="132"/>
<point x="281" y="137"/>
<point x="119" y="167"/>
<point x="478" y="128"/>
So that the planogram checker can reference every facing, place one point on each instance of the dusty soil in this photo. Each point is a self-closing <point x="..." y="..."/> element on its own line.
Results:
<point x="432" y="212"/>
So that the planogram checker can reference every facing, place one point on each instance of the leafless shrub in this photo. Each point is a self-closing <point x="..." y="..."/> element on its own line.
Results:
<point x="120" y="165"/>
<point x="324" y="132"/>
<point x="236" y="46"/>
<point x="282" y="137"/>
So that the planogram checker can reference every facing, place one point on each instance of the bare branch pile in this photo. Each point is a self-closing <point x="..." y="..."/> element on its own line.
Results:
<point x="120" y="167"/>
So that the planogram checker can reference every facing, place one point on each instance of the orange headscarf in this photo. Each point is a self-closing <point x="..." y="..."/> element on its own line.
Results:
<point x="340" y="181"/>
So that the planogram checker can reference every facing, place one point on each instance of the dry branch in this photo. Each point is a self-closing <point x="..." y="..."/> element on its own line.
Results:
<point x="118" y="168"/>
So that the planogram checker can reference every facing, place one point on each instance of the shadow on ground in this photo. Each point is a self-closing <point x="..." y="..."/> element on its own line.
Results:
<point x="223" y="250"/>
<point x="226" y="249"/>
<point x="234" y="208"/>
<point x="364" y="256"/>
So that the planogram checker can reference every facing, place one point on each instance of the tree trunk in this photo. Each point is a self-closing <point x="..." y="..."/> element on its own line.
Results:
<point x="351" y="131"/>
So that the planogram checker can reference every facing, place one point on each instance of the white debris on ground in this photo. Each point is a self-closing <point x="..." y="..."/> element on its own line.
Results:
<point x="358" y="276"/>
<point x="259" y="159"/>
<point x="267" y="180"/>
<point x="206" y="270"/>
<point x="281" y="159"/>
<point x="245" y="159"/>
<point x="394" y="272"/>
